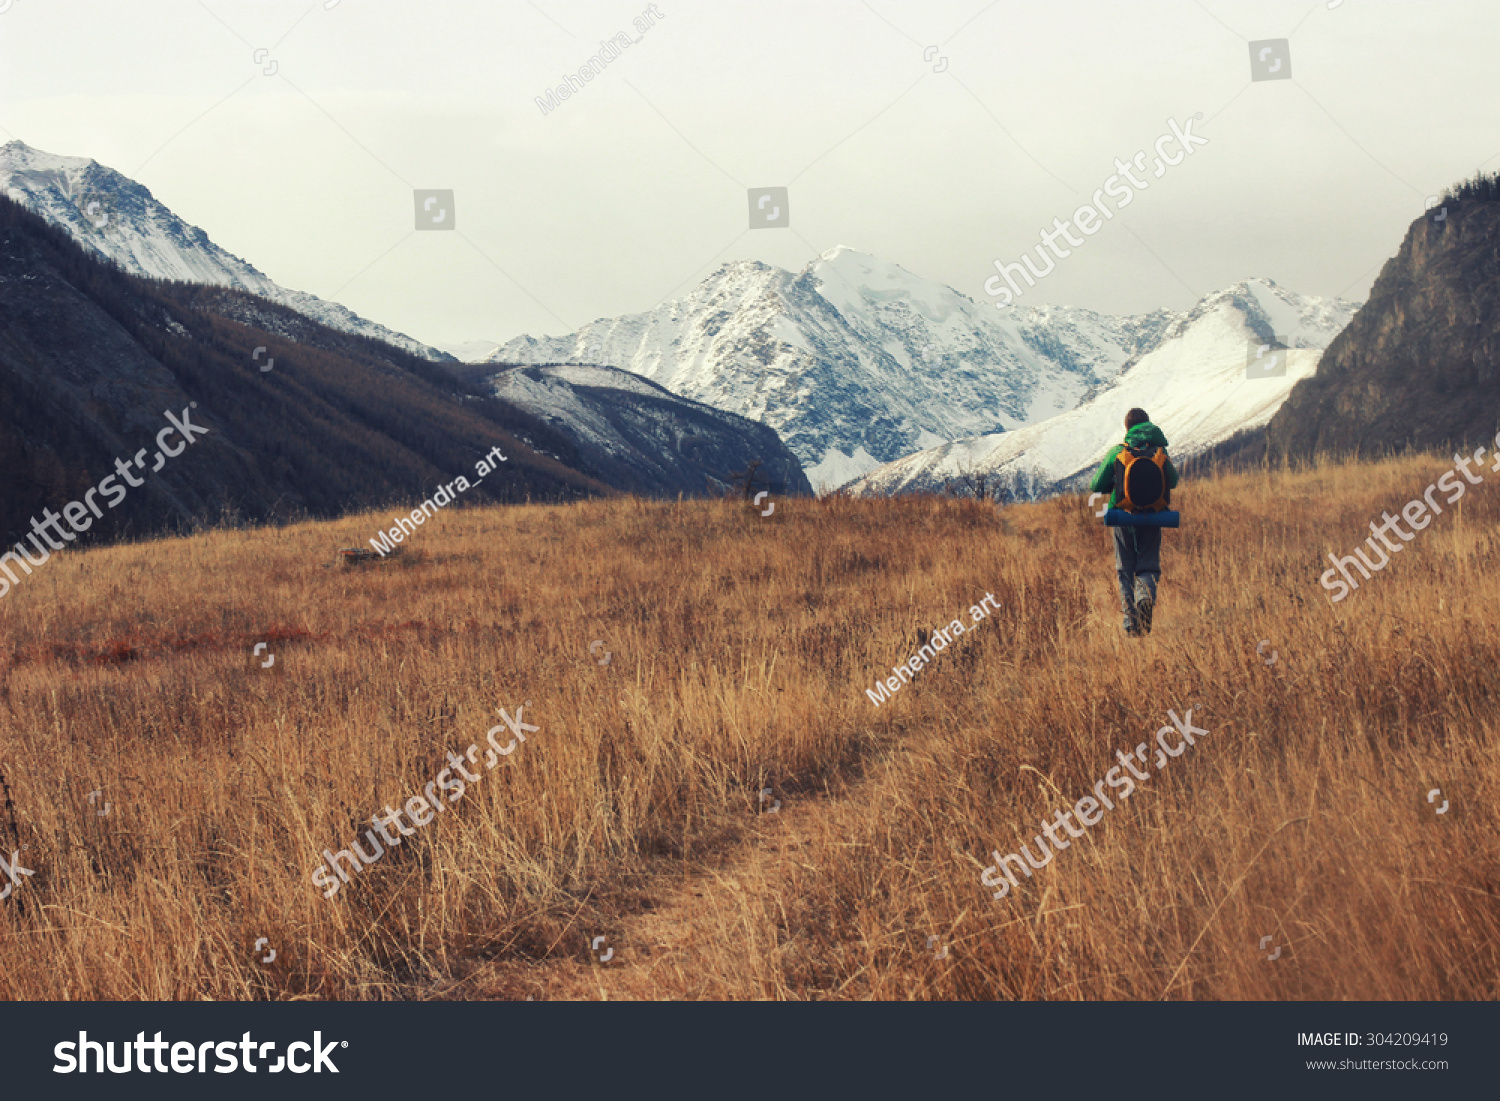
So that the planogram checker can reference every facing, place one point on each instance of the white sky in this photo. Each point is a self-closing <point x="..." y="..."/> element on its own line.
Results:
<point x="636" y="187"/>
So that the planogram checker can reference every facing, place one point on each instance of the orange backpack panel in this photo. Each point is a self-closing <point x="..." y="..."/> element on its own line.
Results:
<point x="1141" y="478"/>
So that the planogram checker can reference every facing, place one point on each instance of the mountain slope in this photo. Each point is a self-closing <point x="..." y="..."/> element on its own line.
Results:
<point x="855" y="361"/>
<point x="642" y="438"/>
<point x="1420" y="363"/>
<point x="92" y="358"/>
<point x="119" y="219"/>
<point x="471" y="351"/>
<point x="1193" y="385"/>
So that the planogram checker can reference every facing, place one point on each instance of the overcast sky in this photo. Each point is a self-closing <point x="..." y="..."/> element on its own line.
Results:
<point x="636" y="187"/>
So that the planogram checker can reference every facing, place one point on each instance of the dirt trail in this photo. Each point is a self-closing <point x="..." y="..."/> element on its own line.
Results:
<point x="671" y="950"/>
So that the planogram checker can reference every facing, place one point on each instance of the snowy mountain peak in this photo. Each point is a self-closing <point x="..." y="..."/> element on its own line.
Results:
<point x="844" y="262"/>
<point x="849" y="278"/>
<point x="1279" y="316"/>
<point x="18" y="156"/>
<point x="1197" y="384"/>
<point x="118" y="218"/>
<point x="113" y="215"/>
<point x="855" y="360"/>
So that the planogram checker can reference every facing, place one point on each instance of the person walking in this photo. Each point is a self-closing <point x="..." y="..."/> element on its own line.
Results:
<point x="1137" y="549"/>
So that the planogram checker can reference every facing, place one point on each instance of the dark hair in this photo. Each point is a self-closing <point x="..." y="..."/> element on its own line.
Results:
<point x="1135" y="417"/>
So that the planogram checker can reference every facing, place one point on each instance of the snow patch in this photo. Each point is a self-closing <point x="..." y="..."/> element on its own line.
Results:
<point x="837" y="468"/>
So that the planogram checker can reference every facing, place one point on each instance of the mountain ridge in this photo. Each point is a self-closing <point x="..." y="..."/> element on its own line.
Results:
<point x="1420" y="365"/>
<point x="117" y="217"/>
<point x="326" y="423"/>
<point x="653" y="442"/>
<point x="1194" y="384"/>
<point x="855" y="360"/>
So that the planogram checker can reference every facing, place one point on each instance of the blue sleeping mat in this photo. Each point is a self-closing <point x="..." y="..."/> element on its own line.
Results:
<point x="1119" y="518"/>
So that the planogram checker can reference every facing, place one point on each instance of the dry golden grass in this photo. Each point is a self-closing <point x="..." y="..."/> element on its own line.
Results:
<point x="741" y="648"/>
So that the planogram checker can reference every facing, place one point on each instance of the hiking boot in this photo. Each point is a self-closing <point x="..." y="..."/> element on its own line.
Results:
<point x="1132" y="629"/>
<point x="1145" y="601"/>
<point x="1143" y="610"/>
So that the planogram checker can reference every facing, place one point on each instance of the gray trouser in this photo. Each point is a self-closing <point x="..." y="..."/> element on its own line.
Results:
<point x="1137" y="564"/>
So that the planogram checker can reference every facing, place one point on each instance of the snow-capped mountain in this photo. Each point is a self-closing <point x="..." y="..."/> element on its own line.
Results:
<point x="470" y="351"/>
<point x="1195" y="385"/>
<point x="641" y="437"/>
<point x="118" y="218"/>
<point x="856" y="361"/>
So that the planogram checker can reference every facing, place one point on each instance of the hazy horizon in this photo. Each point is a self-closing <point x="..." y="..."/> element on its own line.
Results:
<point x="635" y="188"/>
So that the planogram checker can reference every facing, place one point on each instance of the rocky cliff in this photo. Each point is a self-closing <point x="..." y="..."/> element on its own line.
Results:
<point x="1419" y="364"/>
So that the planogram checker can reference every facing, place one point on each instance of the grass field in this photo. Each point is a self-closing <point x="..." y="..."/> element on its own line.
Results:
<point x="740" y="649"/>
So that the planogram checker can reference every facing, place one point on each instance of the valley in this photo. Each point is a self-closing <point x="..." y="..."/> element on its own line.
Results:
<point x="739" y="650"/>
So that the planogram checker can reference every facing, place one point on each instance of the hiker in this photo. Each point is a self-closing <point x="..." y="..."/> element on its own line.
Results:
<point x="1137" y="549"/>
